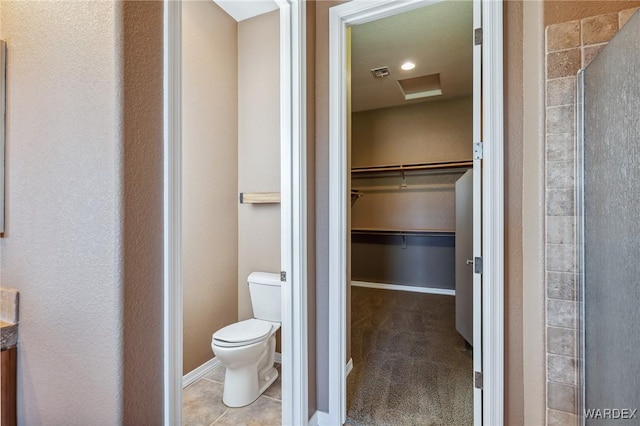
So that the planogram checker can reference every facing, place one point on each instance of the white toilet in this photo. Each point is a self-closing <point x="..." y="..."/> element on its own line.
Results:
<point x="247" y="348"/>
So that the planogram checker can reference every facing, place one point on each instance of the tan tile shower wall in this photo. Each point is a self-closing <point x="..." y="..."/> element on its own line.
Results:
<point x="570" y="46"/>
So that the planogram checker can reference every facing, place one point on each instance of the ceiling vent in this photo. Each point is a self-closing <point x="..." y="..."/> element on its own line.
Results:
<point x="380" y="72"/>
<point x="420" y="87"/>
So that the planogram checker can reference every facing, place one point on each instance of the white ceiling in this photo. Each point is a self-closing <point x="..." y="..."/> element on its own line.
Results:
<point x="245" y="9"/>
<point x="437" y="38"/>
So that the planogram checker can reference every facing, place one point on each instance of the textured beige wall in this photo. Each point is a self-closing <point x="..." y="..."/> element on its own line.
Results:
<point x="428" y="202"/>
<point x="63" y="197"/>
<point x="423" y="132"/>
<point x="569" y="10"/>
<point x="531" y="374"/>
<point x="84" y="208"/>
<point x="514" y="386"/>
<point x="258" y="149"/>
<point x="141" y="235"/>
<point x="210" y="176"/>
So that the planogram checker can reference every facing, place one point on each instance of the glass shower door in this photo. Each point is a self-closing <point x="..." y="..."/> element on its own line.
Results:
<point x="609" y="230"/>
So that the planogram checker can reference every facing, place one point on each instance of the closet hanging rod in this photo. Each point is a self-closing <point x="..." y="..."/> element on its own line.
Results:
<point x="414" y="166"/>
<point x="405" y="232"/>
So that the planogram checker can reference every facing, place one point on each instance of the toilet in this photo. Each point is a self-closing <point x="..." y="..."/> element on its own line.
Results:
<point x="247" y="348"/>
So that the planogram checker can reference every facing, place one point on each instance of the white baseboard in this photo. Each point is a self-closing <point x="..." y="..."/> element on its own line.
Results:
<point x="385" y="286"/>
<point x="313" y="421"/>
<point x="200" y="372"/>
<point x="321" y="418"/>
<point x="348" y="368"/>
<point x="205" y="368"/>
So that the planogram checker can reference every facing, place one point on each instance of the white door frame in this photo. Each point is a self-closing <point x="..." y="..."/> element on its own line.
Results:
<point x="293" y="212"/>
<point x="361" y="11"/>
<point x="477" y="213"/>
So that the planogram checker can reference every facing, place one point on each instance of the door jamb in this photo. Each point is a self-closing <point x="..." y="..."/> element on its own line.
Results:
<point x="356" y="12"/>
<point x="172" y="177"/>
<point x="293" y="213"/>
<point x="493" y="213"/>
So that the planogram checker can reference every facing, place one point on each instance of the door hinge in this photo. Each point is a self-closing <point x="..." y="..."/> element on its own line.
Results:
<point x="477" y="382"/>
<point x="477" y="265"/>
<point x="477" y="36"/>
<point x="477" y="150"/>
<point x="283" y="276"/>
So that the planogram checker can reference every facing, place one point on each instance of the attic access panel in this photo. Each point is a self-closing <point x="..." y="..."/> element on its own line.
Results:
<point x="420" y="87"/>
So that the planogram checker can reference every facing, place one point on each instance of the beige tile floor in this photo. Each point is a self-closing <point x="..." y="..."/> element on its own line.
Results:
<point x="202" y="404"/>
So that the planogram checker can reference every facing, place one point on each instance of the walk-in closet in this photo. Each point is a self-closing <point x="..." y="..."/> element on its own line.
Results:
<point x="411" y="219"/>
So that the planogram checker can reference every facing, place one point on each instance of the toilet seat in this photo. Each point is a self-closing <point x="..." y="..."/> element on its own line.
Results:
<point x="243" y="333"/>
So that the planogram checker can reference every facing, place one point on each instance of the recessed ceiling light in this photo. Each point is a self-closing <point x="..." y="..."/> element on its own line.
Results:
<point x="408" y="66"/>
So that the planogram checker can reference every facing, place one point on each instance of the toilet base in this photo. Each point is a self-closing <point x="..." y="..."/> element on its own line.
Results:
<point x="244" y="384"/>
<point x="242" y="389"/>
<point x="268" y="379"/>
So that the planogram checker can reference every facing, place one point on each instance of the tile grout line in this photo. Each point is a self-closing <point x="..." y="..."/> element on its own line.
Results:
<point x="564" y="328"/>
<point x="562" y="355"/>
<point x="566" y="49"/>
<point x="561" y="106"/>
<point x="226" y="411"/>
<point x="580" y="46"/>
<point x="563" y="300"/>
<point x="272" y="398"/>
<point x="220" y="416"/>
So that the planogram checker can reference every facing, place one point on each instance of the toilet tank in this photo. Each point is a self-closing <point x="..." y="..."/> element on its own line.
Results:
<point x="264" y="288"/>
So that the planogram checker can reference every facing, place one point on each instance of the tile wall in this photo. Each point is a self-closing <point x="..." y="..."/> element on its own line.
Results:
<point x="569" y="47"/>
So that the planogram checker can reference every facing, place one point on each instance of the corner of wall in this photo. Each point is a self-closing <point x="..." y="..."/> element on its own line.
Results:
<point x="142" y="25"/>
<point x="65" y="251"/>
<point x="258" y="149"/>
<point x="533" y="226"/>
<point x="209" y="176"/>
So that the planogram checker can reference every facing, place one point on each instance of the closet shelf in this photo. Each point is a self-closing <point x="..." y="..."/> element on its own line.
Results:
<point x="259" y="197"/>
<point x="414" y="167"/>
<point x="405" y="232"/>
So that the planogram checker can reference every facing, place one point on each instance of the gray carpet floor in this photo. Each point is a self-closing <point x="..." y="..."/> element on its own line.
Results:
<point x="410" y="365"/>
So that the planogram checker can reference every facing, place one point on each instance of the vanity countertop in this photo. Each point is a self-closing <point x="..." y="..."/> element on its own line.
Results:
<point x="8" y="335"/>
<point x="9" y="299"/>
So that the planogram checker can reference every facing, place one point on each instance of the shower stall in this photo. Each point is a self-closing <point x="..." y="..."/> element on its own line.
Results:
<point x="608" y="231"/>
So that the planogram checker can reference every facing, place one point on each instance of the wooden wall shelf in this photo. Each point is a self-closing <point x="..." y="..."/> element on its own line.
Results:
<point x="259" y="197"/>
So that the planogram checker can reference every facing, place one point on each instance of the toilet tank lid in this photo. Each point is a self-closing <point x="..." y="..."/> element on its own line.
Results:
<point x="267" y="278"/>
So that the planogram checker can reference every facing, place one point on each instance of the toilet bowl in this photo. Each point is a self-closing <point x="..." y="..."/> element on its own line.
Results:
<point x="247" y="348"/>
<point x="249" y="363"/>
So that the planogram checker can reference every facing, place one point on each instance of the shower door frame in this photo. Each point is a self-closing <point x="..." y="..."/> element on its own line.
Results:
<point x="488" y="14"/>
<point x="293" y="214"/>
